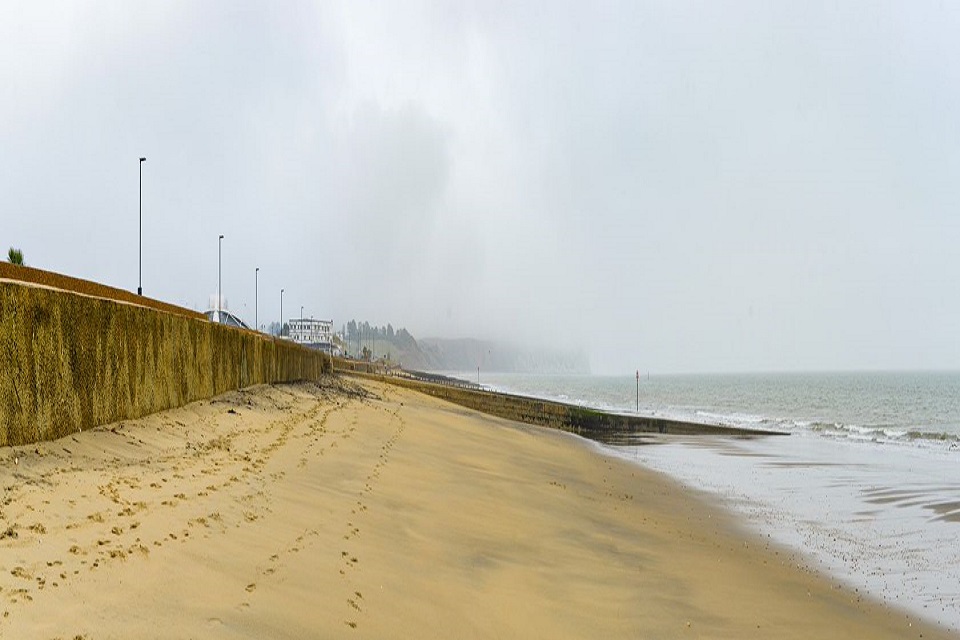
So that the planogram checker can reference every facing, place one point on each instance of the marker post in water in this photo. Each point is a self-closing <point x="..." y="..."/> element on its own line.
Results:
<point x="638" y="390"/>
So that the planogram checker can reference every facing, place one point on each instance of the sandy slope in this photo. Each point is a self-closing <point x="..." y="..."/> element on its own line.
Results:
<point x="302" y="511"/>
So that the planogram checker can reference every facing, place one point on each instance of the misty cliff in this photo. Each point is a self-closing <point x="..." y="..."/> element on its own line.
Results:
<point x="467" y="354"/>
<point x="362" y="340"/>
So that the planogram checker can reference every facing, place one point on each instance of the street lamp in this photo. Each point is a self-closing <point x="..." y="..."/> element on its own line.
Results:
<point x="281" y="313"/>
<point x="140" y="272"/>
<point x="256" y="285"/>
<point x="301" y="312"/>
<point x="219" y="247"/>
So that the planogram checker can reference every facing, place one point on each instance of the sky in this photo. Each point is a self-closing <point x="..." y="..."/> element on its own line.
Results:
<point x="667" y="186"/>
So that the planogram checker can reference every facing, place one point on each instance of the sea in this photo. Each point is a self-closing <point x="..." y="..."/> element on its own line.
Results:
<point x="865" y="486"/>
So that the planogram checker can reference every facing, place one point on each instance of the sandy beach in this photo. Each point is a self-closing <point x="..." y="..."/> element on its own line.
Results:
<point x="341" y="510"/>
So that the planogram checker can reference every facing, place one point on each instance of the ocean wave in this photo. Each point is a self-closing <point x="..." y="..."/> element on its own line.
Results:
<point x="733" y="419"/>
<point x="883" y="434"/>
<point x="879" y="434"/>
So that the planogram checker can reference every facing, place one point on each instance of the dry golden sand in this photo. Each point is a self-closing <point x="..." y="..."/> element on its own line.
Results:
<point x="301" y="512"/>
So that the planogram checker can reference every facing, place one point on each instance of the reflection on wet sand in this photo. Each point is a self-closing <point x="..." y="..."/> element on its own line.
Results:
<point x="861" y="516"/>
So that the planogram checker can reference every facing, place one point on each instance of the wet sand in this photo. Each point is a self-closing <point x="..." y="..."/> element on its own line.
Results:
<point x="305" y="511"/>
<point x="862" y="513"/>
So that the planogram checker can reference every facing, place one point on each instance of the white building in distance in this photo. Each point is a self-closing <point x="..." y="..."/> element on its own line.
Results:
<point x="312" y="333"/>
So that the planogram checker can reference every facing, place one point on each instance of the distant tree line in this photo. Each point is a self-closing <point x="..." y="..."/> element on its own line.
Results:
<point x="364" y="330"/>
<point x="368" y="340"/>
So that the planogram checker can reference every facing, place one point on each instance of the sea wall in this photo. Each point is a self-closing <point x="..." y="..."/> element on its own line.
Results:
<point x="71" y="361"/>
<point x="598" y="425"/>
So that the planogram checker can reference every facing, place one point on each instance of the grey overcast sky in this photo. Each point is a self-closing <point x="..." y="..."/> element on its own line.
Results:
<point x="670" y="186"/>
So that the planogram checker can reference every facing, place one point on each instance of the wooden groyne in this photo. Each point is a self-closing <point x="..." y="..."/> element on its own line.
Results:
<point x="591" y="423"/>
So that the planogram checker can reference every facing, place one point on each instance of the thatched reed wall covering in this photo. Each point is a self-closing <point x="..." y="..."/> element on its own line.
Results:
<point x="71" y="361"/>
<point x="69" y="283"/>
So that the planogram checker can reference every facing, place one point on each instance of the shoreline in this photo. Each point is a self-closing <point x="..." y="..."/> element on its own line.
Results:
<point x="874" y="525"/>
<point x="784" y="416"/>
<point x="371" y="510"/>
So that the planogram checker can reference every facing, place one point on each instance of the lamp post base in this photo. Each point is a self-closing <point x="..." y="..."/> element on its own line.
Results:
<point x="139" y="291"/>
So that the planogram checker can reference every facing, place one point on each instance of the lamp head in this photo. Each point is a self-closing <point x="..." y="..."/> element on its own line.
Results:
<point x="143" y="159"/>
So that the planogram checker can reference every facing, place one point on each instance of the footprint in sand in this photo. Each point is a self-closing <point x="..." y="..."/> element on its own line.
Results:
<point x="20" y="594"/>
<point x="20" y="572"/>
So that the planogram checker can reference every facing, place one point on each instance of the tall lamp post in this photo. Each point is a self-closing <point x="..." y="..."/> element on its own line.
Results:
<point x="281" y="313"/>
<point x="256" y="286"/>
<point x="140" y="266"/>
<point x="219" y="294"/>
